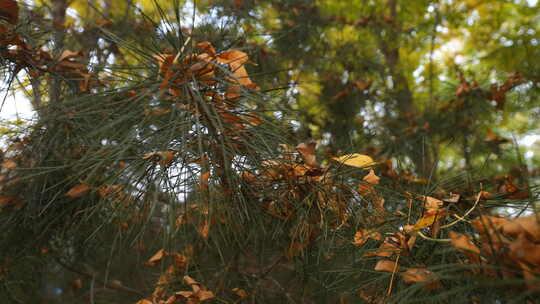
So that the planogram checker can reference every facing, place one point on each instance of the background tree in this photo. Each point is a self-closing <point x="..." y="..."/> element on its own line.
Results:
<point x="179" y="136"/>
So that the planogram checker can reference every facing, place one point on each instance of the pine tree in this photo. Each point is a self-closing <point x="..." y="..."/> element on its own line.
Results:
<point x="172" y="160"/>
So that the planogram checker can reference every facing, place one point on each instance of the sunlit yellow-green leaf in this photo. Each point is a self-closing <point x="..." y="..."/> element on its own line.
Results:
<point x="355" y="160"/>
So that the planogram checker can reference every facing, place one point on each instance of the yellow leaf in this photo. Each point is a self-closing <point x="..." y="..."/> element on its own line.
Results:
<point x="355" y="160"/>
<point x="78" y="190"/>
<point x="429" y="219"/>
<point x="424" y="222"/>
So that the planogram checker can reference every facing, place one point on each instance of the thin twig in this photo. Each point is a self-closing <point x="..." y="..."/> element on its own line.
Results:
<point x="462" y="218"/>
<point x="432" y="239"/>
<point x="389" y="291"/>
<point x="92" y="284"/>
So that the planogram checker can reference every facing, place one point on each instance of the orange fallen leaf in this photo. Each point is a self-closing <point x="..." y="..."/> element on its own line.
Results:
<point x="463" y="244"/>
<point x="206" y="47"/>
<point x="163" y="157"/>
<point x="489" y="224"/>
<point x="523" y="250"/>
<point x="203" y="180"/>
<point x="371" y="178"/>
<point x="236" y="56"/>
<point x="67" y="54"/>
<point x="361" y="236"/>
<point x="107" y="190"/>
<point x="204" y="229"/>
<point x="386" y="265"/>
<point x="78" y="190"/>
<point x="180" y="261"/>
<point x="432" y="203"/>
<point x="9" y="164"/>
<point x="392" y="245"/>
<point x="157" y="257"/>
<point x="6" y="200"/>
<point x="307" y="151"/>
<point x="198" y="293"/>
<point x="421" y="275"/>
<point x="77" y="284"/>
<point x="454" y="198"/>
<point x="530" y="224"/>
<point x="240" y="292"/>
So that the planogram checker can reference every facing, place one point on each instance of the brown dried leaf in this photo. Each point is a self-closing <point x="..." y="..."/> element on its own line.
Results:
<point x="307" y="151"/>
<point x="371" y="178"/>
<point x="108" y="190"/>
<point x="205" y="295"/>
<point x="9" y="11"/>
<point x="67" y="54"/>
<point x="531" y="225"/>
<point x="190" y="281"/>
<point x="421" y="275"/>
<point x="157" y="257"/>
<point x="361" y="236"/>
<point x="391" y="245"/>
<point x="198" y="294"/>
<point x="206" y="47"/>
<point x="6" y="200"/>
<point x="204" y="228"/>
<point x="513" y="228"/>
<point x="523" y="250"/>
<point x="463" y="244"/>
<point x="164" y="157"/>
<point x="233" y="56"/>
<point x="454" y="198"/>
<point x="203" y="180"/>
<point x="386" y="265"/>
<point x="180" y="261"/>
<point x="487" y="224"/>
<point x="432" y="203"/>
<point x="77" y="284"/>
<point x="240" y="292"/>
<point x="9" y="164"/>
<point x="78" y="190"/>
